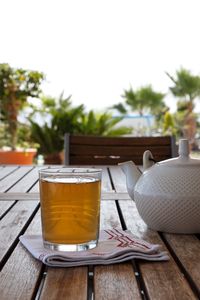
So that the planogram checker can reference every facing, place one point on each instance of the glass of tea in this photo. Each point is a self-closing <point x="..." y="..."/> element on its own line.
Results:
<point x="70" y="207"/>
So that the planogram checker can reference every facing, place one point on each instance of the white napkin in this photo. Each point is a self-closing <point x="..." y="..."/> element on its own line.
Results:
<point x="114" y="246"/>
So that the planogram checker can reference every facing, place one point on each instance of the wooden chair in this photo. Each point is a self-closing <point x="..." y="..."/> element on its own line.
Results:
<point x="98" y="150"/>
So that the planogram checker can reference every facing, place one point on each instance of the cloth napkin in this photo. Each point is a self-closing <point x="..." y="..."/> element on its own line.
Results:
<point x="114" y="246"/>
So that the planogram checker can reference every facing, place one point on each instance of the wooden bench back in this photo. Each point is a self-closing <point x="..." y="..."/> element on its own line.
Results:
<point x="96" y="150"/>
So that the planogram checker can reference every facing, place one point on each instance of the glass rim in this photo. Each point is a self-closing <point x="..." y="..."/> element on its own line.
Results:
<point x="69" y="170"/>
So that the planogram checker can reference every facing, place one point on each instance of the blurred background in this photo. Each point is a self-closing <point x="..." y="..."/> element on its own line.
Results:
<point x="98" y="68"/>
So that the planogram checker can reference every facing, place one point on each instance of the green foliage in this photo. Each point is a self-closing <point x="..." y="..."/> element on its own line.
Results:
<point x="24" y="137"/>
<point x="143" y="99"/>
<point x="182" y="106"/>
<point x="120" y="107"/>
<point x="159" y="116"/>
<point x="102" y="124"/>
<point x="16" y="85"/>
<point x="169" y="124"/>
<point x="47" y="138"/>
<point x="4" y="136"/>
<point x="186" y="85"/>
<point x="63" y="118"/>
<point x="187" y="88"/>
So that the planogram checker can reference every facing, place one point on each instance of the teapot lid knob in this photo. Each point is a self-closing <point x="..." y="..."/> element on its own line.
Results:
<point x="184" y="149"/>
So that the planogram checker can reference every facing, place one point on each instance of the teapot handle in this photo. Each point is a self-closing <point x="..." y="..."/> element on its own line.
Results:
<point x="148" y="160"/>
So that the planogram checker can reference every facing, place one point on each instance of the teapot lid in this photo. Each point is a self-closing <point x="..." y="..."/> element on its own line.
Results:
<point x="184" y="158"/>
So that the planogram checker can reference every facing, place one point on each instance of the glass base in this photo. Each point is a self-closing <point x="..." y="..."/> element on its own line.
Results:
<point x="70" y="247"/>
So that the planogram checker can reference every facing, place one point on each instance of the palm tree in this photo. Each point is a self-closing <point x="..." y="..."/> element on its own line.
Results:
<point x="144" y="99"/>
<point x="120" y="108"/>
<point x="187" y="89"/>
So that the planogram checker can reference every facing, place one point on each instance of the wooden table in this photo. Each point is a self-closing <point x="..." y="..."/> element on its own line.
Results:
<point x="23" y="277"/>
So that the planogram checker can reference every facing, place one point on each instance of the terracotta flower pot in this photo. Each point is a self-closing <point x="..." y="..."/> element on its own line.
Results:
<point x="17" y="157"/>
<point x="53" y="159"/>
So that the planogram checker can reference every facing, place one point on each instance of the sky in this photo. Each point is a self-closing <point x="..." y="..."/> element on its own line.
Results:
<point x="96" y="49"/>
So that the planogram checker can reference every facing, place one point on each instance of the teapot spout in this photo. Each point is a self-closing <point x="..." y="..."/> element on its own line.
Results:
<point x="148" y="160"/>
<point x="132" y="175"/>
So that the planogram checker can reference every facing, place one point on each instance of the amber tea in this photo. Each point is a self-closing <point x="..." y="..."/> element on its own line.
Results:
<point x="70" y="209"/>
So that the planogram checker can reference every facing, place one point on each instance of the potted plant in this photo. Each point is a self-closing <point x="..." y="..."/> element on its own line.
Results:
<point x="60" y="117"/>
<point x="16" y="86"/>
<point x="63" y="118"/>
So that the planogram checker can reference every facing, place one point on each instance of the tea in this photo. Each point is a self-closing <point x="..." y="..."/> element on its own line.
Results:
<point x="70" y="208"/>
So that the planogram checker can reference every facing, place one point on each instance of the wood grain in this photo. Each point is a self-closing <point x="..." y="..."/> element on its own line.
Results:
<point x="115" y="150"/>
<point x="12" y="224"/>
<point x="35" y="196"/>
<point x="26" y="182"/>
<point x="4" y="206"/>
<point x="118" y="179"/>
<point x="187" y="249"/>
<point x="163" y="280"/>
<point x="106" y="184"/>
<point x="114" y="281"/>
<point x="4" y="171"/>
<point x="20" y="276"/>
<point x="8" y="181"/>
<point x="109" y="216"/>
<point x="134" y="141"/>
<point x="112" y="150"/>
<point x="65" y="283"/>
<point x="70" y="283"/>
<point x="21" y="273"/>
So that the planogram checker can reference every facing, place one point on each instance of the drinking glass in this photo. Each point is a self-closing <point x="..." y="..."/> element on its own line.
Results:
<point x="70" y="207"/>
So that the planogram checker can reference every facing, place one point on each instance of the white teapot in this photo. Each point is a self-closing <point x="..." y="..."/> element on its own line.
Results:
<point x="167" y="193"/>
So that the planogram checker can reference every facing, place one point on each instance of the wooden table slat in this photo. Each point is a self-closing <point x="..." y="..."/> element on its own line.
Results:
<point x="118" y="279"/>
<point x="35" y="196"/>
<point x="7" y="170"/>
<point x="21" y="274"/>
<point x="187" y="249"/>
<point x="68" y="283"/>
<point x="65" y="283"/>
<point x="109" y="215"/>
<point x="116" y="282"/>
<point x="118" y="178"/>
<point x="4" y="206"/>
<point x="10" y="180"/>
<point x="106" y="184"/>
<point x="163" y="280"/>
<point x="26" y="182"/>
<point x="12" y="224"/>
